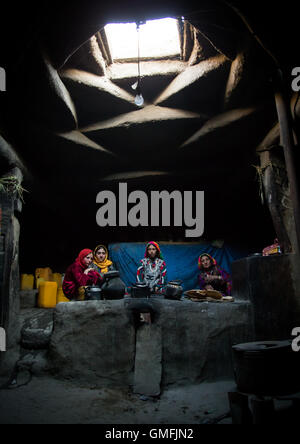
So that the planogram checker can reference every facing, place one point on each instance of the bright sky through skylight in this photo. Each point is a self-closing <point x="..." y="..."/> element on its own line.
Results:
<point x="158" y="38"/>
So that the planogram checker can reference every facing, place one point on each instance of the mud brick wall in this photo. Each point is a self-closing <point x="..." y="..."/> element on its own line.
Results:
<point x="271" y="284"/>
<point x="9" y="277"/>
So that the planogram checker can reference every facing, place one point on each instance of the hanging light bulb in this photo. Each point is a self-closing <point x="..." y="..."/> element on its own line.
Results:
<point x="139" y="99"/>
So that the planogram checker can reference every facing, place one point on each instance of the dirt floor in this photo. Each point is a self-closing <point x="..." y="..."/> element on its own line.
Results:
<point x="45" y="400"/>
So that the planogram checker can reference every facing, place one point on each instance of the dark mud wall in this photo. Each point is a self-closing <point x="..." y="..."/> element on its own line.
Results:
<point x="9" y="279"/>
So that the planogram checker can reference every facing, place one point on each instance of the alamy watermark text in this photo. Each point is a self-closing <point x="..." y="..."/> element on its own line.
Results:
<point x="139" y="209"/>
<point x="2" y="79"/>
<point x="296" y="341"/>
<point x="2" y="340"/>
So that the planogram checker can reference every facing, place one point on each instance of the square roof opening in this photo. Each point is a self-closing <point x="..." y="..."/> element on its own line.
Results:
<point x="158" y="39"/>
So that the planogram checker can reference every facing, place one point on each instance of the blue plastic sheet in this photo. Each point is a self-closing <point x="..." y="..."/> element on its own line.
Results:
<point x="181" y="260"/>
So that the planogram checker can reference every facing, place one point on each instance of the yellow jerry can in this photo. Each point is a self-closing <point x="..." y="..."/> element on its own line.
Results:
<point x="27" y="282"/>
<point x="44" y="273"/>
<point x="61" y="297"/>
<point x="57" y="277"/>
<point x="47" y="294"/>
<point x="38" y="281"/>
<point x="81" y="294"/>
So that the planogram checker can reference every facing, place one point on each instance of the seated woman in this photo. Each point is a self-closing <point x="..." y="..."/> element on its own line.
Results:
<point x="212" y="277"/>
<point x="101" y="263"/>
<point x="153" y="269"/>
<point x="80" y="275"/>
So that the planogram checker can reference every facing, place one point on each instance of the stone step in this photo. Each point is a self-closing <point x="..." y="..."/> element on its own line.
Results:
<point x="148" y="361"/>
<point x="28" y="298"/>
<point x="37" y="328"/>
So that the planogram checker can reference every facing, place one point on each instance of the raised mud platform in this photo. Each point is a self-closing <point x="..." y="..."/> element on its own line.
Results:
<point x="103" y="343"/>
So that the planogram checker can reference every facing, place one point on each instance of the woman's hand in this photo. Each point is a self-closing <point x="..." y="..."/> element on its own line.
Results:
<point x="210" y="278"/>
<point x="88" y="270"/>
<point x="209" y="287"/>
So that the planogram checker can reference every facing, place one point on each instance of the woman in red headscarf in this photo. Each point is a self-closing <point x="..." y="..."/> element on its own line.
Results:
<point x="80" y="274"/>
<point x="213" y="277"/>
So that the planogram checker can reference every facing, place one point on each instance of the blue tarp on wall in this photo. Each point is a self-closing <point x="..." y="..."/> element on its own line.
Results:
<point x="181" y="260"/>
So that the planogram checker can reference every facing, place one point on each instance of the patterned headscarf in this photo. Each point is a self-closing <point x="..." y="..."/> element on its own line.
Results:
<point x="104" y="264"/>
<point x="213" y="261"/>
<point x="155" y="244"/>
<point x="83" y="254"/>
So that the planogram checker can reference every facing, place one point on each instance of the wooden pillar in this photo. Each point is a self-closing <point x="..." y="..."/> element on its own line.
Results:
<point x="239" y="407"/>
<point x="263" y="410"/>
<point x="9" y="277"/>
<point x="274" y="197"/>
<point x="286" y="133"/>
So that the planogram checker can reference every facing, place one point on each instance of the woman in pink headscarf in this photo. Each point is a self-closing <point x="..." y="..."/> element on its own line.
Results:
<point x="153" y="269"/>
<point x="213" y="277"/>
<point x="80" y="274"/>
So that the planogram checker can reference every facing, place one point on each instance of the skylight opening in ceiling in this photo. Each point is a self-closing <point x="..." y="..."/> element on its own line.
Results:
<point x="158" y="39"/>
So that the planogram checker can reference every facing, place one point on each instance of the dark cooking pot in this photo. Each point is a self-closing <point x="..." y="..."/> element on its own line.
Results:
<point x="266" y="368"/>
<point x="111" y="274"/>
<point x="113" y="287"/>
<point x="93" y="293"/>
<point x="174" y="290"/>
<point x="140" y="290"/>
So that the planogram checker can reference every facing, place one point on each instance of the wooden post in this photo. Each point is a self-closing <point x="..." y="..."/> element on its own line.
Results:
<point x="285" y="122"/>
<point x="239" y="407"/>
<point x="273" y="201"/>
<point x="263" y="410"/>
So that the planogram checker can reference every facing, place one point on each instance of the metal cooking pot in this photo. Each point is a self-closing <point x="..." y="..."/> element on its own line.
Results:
<point x="140" y="290"/>
<point x="174" y="290"/>
<point x="93" y="293"/>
